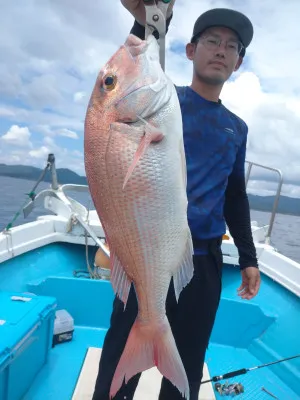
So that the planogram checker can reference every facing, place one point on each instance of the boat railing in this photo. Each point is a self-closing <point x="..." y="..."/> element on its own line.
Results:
<point x="58" y="190"/>
<point x="85" y="188"/>
<point x="277" y="196"/>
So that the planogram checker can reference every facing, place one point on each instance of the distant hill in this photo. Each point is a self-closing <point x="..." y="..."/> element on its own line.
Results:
<point x="287" y="205"/>
<point x="64" y="175"/>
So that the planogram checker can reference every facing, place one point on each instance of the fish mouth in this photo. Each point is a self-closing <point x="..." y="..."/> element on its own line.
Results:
<point x="133" y="40"/>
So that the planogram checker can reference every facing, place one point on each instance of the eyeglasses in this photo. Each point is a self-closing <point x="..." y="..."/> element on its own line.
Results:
<point x="213" y="42"/>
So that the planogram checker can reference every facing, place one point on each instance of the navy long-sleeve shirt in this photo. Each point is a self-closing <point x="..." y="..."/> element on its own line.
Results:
<point x="215" y="147"/>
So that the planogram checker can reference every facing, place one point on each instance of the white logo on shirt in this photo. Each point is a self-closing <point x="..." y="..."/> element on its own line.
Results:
<point x="229" y="130"/>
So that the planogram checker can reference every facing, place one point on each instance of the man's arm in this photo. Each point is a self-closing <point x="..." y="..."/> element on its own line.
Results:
<point x="237" y="212"/>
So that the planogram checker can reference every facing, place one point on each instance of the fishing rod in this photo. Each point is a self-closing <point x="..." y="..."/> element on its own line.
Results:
<point x="245" y="370"/>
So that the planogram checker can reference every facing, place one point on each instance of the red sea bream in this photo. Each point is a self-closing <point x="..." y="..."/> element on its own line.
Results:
<point x="136" y="171"/>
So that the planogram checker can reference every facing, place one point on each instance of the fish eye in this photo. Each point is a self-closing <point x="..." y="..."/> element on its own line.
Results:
<point x="109" y="82"/>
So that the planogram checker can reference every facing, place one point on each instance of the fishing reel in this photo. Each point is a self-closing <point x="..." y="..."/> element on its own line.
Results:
<point x="233" y="389"/>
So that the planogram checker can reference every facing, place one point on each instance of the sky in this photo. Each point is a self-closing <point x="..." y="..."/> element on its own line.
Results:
<point x="51" y="52"/>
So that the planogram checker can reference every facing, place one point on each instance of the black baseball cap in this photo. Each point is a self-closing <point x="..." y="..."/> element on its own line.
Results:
<point x="228" y="18"/>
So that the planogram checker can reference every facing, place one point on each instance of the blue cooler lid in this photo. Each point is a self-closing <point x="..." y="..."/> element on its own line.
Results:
<point x="20" y="313"/>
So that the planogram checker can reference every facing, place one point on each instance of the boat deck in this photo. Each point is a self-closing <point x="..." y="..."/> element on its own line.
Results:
<point x="57" y="380"/>
<point x="246" y="333"/>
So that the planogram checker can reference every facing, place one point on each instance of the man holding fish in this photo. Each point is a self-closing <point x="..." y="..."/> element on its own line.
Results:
<point x="165" y="166"/>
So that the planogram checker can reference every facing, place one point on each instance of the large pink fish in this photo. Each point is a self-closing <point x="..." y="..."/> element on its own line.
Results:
<point x="136" y="170"/>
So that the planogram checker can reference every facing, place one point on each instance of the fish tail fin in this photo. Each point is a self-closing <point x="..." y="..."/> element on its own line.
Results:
<point x="147" y="347"/>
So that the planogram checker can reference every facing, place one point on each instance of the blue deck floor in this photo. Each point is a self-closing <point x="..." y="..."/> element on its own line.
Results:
<point x="57" y="380"/>
<point x="222" y="359"/>
<point x="246" y="334"/>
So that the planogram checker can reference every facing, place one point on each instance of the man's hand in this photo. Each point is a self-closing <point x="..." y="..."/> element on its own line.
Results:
<point x="250" y="283"/>
<point x="137" y="9"/>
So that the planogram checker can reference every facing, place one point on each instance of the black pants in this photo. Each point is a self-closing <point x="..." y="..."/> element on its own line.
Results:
<point x="191" y="320"/>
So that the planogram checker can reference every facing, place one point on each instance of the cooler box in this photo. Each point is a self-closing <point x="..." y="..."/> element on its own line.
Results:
<point x="26" y="331"/>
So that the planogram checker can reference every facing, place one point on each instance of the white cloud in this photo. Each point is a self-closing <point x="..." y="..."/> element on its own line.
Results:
<point x="36" y="117"/>
<point x="5" y="112"/>
<point x="37" y="156"/>
<point x="42" y="92"/>
<point x="67" y="133"/>
<point x="267" y="188"/>
<point x="46" y="130"/>
<point x="274" y="126"/>
<point x="17" y="136"/>
<point x="49" y="141"/>
<point x="52" y="56"/>
<point x="42" y="152"/>
<point x="78" y="96"/>
<point x="10" y="82"/>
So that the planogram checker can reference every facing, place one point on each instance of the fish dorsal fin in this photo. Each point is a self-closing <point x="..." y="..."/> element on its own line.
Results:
<point x="185" y="272"/>
<point x="119" y="279"/>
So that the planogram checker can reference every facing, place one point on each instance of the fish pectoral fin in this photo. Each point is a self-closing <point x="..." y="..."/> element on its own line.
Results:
<point x="120" y="282"/>
<point x="152" y="134"/>
<point x="185" y="272"/>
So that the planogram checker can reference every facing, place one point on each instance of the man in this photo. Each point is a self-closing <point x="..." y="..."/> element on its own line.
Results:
<point x="215" y="146"/>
